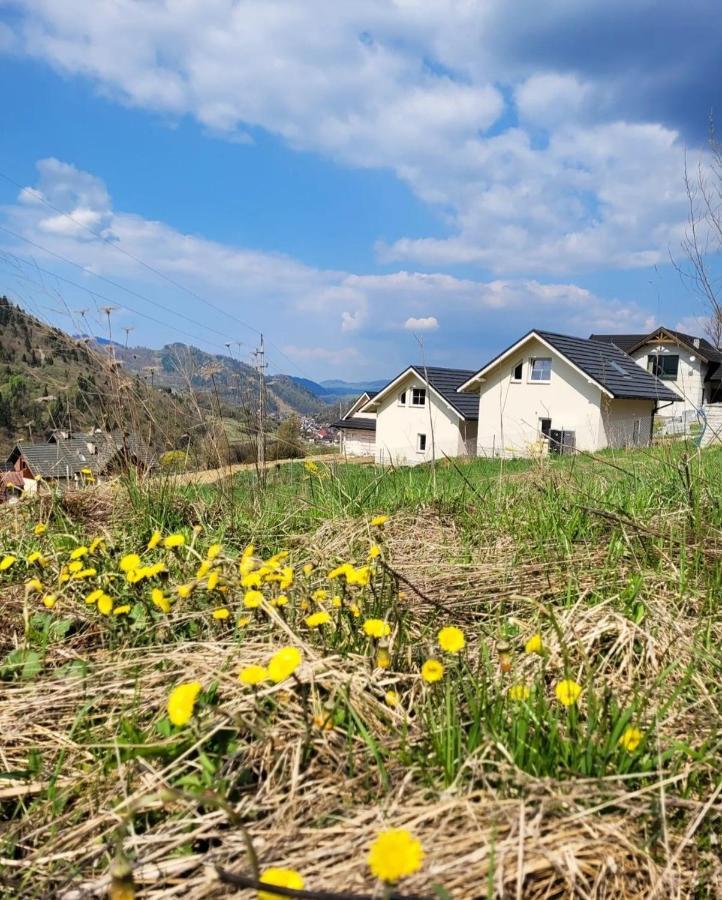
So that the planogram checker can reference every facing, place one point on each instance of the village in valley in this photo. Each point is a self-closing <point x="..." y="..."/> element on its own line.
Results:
<point x="360" y="451"/>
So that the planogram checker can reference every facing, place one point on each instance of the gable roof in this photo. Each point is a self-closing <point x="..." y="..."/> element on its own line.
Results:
<point x="360" y="423"/>
<point x="444" y="382"/>
<point x="62" y="458"/>
<point x="359" y="402"/>
<point x="631" y="342"/>
<point x="611" y="369"/>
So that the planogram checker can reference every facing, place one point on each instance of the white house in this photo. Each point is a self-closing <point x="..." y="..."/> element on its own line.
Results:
<point x="689" y="365"/>
<point x="421" y="416"/>
<point x="357" y="430"/>
<point x="562" y="393"/>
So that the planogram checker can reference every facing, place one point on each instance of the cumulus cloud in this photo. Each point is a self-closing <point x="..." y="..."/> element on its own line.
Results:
<point x="426" y="323"/>
<point x="586" y="177"/>
<point x="332" y="321"/>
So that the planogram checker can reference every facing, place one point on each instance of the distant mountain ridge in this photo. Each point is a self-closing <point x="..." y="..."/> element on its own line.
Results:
<point x="332" y="390"/>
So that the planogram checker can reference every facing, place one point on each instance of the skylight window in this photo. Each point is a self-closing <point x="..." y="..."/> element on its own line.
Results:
<point x="619" y="369"/>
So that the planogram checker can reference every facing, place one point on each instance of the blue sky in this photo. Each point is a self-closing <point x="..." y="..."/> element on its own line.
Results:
<point x="349" y="178"/>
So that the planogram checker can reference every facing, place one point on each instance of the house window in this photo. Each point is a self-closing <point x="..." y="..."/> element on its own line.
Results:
<point x="402" y="398"/>
<point x="418" y="397"/>
<point x="540" y="368"/>
<point x="517" y="372"/>
<point x="545" y="426"/>
<point x="663" y="365"/>
<point x="420" y="443"/>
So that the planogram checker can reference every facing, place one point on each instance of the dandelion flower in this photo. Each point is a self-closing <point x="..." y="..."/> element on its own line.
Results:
<point x="40" y="529"/>
<point x="76" y="566"/>
<point x="213" y="551"/>
<point x="182" y="701"/>
<point x="204" y="568"/>
<point x="221" y="613"/>
<point x="95" y="545"/>
<point x="155" y="539"/>
<point x="281" y="600"/>
<point x="391" y="698"/>
<point x="129" y="563"/>
<point x="317" y="619"/>
<point x="212" y="582"/>
<point x="36" y="557"/>
<point x="94" y="596"/>
<point x="342" y="570"/>
<point x="7" y="561"/>
<point x="374" y="551"/>
<point x="284" y="663"/>
<point x="253" y="675"/>
<point x="567" y="692"/>
<point x="174" y="540"/>
<point x="383" y="657"/>
<point x="519" y="692"/>
<point x="355" y="610"/>
<point x="308" y="568"/>
<point x="34" y="586"/>
<point x="49" y="601"/>
<point x="122" y="610"/>
<point x="252" y="599"/>
<point x="286" y="878"/>
<point x="432" y="670"/>
<point x="631" y="739"/>
<point x="244" y="622"/>
<point x="451" y="639"/>
<point x="377" y="628"/>
<point x="395" y="854"/>
<point x="105" y="604"/>
<point x="534" y="644"/>
<point x="85" y="573"/>
<point x="159" y="599"/>
<point x="79" y="553"/>
<point x="184" y="591"/>
<point x="378" y="521"/>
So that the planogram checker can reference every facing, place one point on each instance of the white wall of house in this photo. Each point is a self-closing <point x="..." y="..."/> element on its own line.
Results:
<point x="357" y="442"/>
<point x="626" y="423"/>
<point x="510" y="411"/>
<point x="398" y="428"/>
<point x="689" y="383"/>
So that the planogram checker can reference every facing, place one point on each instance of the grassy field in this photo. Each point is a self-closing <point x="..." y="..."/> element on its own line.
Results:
<point x="498" y="679"/>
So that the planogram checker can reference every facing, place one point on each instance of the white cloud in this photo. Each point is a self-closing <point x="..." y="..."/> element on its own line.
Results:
<point x="413" y="87"/>
<point x="426" y="323"/>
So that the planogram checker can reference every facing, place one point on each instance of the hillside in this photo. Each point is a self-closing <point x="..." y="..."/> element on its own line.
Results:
<point x="49" y="380"/>
<point x="333" y="390"/>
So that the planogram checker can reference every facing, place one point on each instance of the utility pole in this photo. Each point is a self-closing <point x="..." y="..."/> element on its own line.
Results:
<point x="261" y="366"/>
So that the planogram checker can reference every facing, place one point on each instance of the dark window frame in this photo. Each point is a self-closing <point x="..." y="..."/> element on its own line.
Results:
<point x="656" y="364"/>
<point x="518" y="368"/>
<point x="421" y="443"/>
<point x="420" y="392"/>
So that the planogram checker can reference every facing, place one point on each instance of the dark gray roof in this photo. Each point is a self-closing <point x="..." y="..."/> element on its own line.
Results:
<point x="446" y="381"/>
<point x="630" y="342"/>
<point x="609" y="366"/>
<point x="64" y="458"/>
<point x="359" y="423"/>
<point x="49" y="460"/>
<point x="624" y="341"/>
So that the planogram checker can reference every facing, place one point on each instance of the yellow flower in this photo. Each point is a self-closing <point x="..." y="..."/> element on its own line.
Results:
<point x="197" y="529"/>
<point x="63" y="577"/>
<point x="355" y="611"/>
<point x="174" y="540"/>
<point x="36" y="557"/>
<point x="86" y="471"/>
<point x="567" y="692"/>
<point x="284" y="663"/>
<point x="319" y="618"/>
<point x="129" y="563"/>
<point x="121" y="610"/>
<point x="85" y="573"/>
<point x="204" y="568"/>
<point x="94" y="596"/>
<point x="286" y="878"/>
<point x="391" y="698"/>
<point x="244" y="621"/>
<point x="155" y="569"/>
<point x="40" y="528"/>
<point x="105" y="604"/>
<point x="451" y="639"/>
<point x="182" y="700"/>
<point x="395" y="854"/>
<point x="281" y="600"/>
<point x="360" y="576"/>
<point x="49" y="600"/>
<point x="221" y="613"/>
<point x="212" y="582"/>
<point x="378" y="521"/>
<point x="79" y="553"/>
<point x="519" y="692"/>
<point x="336" y="602"/>
<point x="75" y="566"/>
<point x="534" y="644"/>
<point x="311" y="467"/>
<point x="155" y="539"/>
<point x="252" y="599"/>
<point x="308" y="568"/>
<point x="95" y="545"/>
<point x="7" y="561"/>
<point x="160" y="600"/>
<point x="286" y="579"/>
<point x="383" y="657"/>
<point x="631" y="739"/>
<point x="375" y="551"/>
<point x="184" y="590"/>
<point x="35" y="585"/>
<point x="377" y="628"/>
<point x="432" y="670"/>
<point x="344" y="569"/>
<point x="252" y="675"/>
<point x="319" y="596"/>
<point x="213" y="551"/>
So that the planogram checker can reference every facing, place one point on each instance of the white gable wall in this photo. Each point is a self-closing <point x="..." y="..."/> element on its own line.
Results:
<point x="398" y="427"/>
<point x="626" y="423"/>
<point x="689" y="383"/>
<point x="510" y="413"/>
<point x="357" y="442"/>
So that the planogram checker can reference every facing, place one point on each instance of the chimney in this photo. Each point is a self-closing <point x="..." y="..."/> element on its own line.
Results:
<point x="696" y="343"/>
